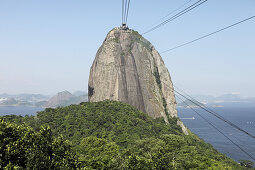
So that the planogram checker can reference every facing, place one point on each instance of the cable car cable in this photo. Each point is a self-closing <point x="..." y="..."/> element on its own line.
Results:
<point x="205" y="36"/>
<point x="191" y="7"/>
<point x="127" y="11"/>
<point x="122" y="11"/>
<point x="216" y="115"/>
<point x="218" y="130"/>
<point x="126" y="3"/>
<point x="171" y="13"/>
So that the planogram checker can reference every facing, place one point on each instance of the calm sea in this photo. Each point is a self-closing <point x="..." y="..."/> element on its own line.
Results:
<point x="244" y="117"/>
<point x="19" y="110"/>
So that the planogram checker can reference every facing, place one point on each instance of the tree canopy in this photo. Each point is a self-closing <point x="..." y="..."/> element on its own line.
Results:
<point x="103" y="135"/>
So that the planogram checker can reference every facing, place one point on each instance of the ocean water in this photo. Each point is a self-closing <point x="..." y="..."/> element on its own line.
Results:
<point x="19" y="110"/>
<point x="243" y="117"/>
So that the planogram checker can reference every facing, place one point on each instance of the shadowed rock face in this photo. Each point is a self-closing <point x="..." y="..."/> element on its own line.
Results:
<point x="127" y="68"/>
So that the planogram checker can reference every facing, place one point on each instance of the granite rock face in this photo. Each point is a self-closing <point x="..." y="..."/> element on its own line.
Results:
<point x="129" y="69"/>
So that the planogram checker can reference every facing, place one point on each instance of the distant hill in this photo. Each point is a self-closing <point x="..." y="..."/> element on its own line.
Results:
<point x="59" y="98"/>
<point x="80" y="93"/>
<point x="32" y="98"/>
<point x="229" y="97"/>
<point x="219" y="101"/>
<point x="189" y="103"/>
<point x="65" y="98"/>
<point x="23" y="99"/>
<point x="9" y="101"/>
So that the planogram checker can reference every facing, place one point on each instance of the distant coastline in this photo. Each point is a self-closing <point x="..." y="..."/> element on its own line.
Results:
<point x="214" y="106"/>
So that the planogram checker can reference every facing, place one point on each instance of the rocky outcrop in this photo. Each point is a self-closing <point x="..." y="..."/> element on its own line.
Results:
<point x="129" y="69"/>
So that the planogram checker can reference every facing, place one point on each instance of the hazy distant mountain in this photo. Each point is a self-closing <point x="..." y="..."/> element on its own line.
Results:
<point x="220" y="101"/>
<point x="74" y="100"/>
<point x="188" y="103"/>
<point x="65" y="98"/>
<point x="41" y="103"/>
<point x="229" y="97"/>
<point x="31" y="98"/>
<point x="59" y="98"/>
<point x="40" y="100"/>
<point x="9" y="101"/>
<point x="79" y="93"/>
<point x="204" y="98"/>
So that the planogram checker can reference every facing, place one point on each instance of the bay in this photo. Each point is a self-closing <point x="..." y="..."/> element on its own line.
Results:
<point x="243" y="117"/>
<point x="19" y="110"/>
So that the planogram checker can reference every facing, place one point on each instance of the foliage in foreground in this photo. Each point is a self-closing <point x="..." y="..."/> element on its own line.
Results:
<point x="113" y="135"/>
<point x="23" y="148"/>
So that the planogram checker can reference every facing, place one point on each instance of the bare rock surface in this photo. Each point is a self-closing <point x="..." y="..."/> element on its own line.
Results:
<point x="129" y="69"/>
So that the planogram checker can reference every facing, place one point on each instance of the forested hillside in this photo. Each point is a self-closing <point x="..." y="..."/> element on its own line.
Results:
<point x="103" y="135"/>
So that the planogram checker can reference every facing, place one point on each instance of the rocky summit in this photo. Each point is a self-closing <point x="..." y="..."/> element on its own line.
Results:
<point x="129" y="69"/>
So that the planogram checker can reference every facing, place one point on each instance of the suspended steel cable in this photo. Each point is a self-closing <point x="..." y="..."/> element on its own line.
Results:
<point x="218" y="130"/>
<point x="204" y="107"/>
<point x="127" y="11"/>
<point x="191" y="7"/>
<point x="205" y="36"/>
<point x="216" y="115"/>
<point x="176" y="9"/>
<point x="196" y="4"/>
<point x="122" y="11"/>
<point x="126" y="3"/>
<point x="171" y="12"/>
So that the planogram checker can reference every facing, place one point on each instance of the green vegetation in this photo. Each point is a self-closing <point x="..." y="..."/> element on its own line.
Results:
<point x="246" y="163"/>
<point x="98" y="153"/>
<point x="116" y="39"/>
<point x="136" y="34"/>
<point x="165" y="104"/>
<point x="157" y="77"/>
<point x="113" y="121"/>
<point x="23" y="148"/>
<point x="138" y="37"/>
<point x="103" y="135"/>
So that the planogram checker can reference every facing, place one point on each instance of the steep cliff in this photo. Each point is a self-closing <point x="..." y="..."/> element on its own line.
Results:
<point x="129" y="69"/>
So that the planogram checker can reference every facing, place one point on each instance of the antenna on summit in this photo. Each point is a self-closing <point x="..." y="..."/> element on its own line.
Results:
<point x="125" y="10"/>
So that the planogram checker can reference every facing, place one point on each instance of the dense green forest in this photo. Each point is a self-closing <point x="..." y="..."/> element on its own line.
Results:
<point x="102" y="135"/>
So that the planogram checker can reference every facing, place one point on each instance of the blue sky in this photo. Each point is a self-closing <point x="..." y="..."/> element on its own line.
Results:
<point x="48" y="46"/>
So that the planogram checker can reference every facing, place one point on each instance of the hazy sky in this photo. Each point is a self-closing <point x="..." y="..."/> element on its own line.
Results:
<point x="48" y="46"/>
